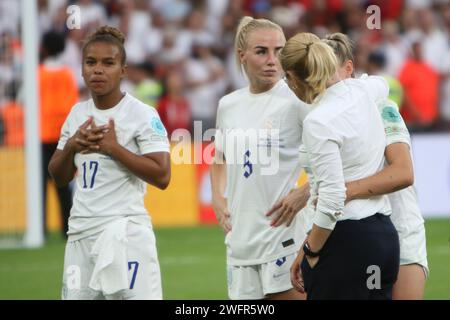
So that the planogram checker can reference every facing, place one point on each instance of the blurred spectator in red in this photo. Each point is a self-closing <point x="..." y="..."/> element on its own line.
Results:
<point x="420" y="84"/>
<point x="173" y="108"/>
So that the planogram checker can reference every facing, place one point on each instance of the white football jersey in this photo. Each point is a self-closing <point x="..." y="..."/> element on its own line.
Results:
<point x="406" y="214"/>
<point x="260" y="136"/>
<point x="104" y="188"/>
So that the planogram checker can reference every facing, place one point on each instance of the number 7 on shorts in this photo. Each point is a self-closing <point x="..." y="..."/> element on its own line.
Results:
<point x="135" y="270"/>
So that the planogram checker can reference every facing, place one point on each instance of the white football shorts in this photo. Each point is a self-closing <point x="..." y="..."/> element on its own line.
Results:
<point x="256" y="281"/>
<point x="143" y="268"/>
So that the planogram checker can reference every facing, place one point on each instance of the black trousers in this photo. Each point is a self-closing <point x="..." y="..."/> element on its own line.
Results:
<point x="64" y="193"/>
<point x="360" y="260"/>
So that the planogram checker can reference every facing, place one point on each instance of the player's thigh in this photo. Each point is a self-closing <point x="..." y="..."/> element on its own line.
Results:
<point x="413" y="270"/>
<point x="276" y="279"/>
<point x="244" y="283"/>
<point x="77" y="272"/>
<point x="144" y="273"/>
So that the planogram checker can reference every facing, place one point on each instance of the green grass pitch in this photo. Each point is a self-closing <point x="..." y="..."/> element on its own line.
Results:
<point x="192" y="265"/>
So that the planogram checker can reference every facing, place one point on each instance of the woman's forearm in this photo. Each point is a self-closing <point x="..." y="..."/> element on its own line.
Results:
<point x="397" y="175"/>
<point x="391" y="179"/>
<point x="153" y="168"/>
<point x="61" y="167"/>
<point x="218" y="179"/>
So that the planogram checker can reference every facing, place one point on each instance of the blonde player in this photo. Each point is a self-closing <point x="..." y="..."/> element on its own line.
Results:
<point x="396" y="175"/>
<point x="259" y="132"/>
<point x="406" y="214"/>
<point x="113" y="145"/>
<point x="344" y="141"/>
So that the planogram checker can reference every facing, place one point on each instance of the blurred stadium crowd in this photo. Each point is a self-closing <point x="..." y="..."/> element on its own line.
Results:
<point x="181" y="60"/>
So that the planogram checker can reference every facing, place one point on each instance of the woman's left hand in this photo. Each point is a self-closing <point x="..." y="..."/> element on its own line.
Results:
<point x="105" y="138"/>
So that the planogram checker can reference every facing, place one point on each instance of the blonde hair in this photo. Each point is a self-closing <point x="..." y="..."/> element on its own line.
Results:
<point x="341" y="45"/>
<point x="110" y="35"/>
<point x="245" y="27"/>
<point x="312" y="61"/>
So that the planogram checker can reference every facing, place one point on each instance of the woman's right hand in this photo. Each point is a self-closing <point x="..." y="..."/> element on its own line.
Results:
<point x="79" y="141"/>
<point x="296" y="272"/>
<point x="223" y="215"/>
<point x="87" y="137"/>
<point x="285" y="210"/>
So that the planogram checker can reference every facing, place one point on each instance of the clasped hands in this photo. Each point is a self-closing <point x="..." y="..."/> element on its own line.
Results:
<point x="92" y="138"/>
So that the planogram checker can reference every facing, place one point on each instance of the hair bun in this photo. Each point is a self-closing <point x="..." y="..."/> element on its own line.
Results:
<point x="110" y="31"/>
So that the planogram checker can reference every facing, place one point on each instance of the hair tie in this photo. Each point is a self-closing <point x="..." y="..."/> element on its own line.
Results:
<point x="307" y="46"/>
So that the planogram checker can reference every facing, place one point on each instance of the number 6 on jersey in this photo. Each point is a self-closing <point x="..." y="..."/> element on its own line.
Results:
<point x="248" y="166"/>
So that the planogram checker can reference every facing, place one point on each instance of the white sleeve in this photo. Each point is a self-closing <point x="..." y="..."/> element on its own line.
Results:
<point x="394" y="126"/>
<point x="65" y="133"/>
<point x="377" y="88"/>
<point x="323" y="150"/>
<point x="151" y="134"/>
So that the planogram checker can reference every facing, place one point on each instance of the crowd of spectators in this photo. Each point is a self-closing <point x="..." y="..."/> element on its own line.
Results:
<point x="180" y="52"/>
